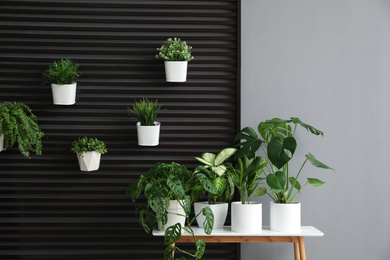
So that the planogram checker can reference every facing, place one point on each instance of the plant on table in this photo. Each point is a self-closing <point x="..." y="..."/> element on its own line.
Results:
<point x="19" y="125"/>
<point x="279" y="145"/>
<point x="62" y="72"/>
<point x="145" y="111"/>
<point x="175" y="50"/>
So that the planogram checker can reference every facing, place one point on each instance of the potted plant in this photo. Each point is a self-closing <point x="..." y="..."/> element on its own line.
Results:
<point x="88" y="151"/>
<point x="214" y="179"/>
<point x="148" y="129"/>
<point x="176" y="54"/>
<point x="18" y="124"/>
<point x="246" y="216"/>
<point x="62" y="76"/>
<point x="279" y="145"/>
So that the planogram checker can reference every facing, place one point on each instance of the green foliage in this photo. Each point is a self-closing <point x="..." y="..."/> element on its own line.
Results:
<point x="85" y="144"/>
<point x="145" y="111"/>
<point x="175" y="50"/>
<point x="19" y="125"/>
<point x="279" y="145"/>
<point x="212" y="175"/>
<point x="62" y="72"/>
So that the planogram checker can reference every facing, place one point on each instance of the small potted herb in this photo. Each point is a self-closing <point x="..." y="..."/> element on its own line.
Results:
<point x="176" y="54"/>
<point x="88" y="151"/>
<point x="62" y="76"/>
<point x="148" y="129"/>
<point x="19" y="125"/>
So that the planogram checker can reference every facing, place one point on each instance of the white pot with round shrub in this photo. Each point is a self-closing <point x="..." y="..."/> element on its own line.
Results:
<point x="89" y="151"/>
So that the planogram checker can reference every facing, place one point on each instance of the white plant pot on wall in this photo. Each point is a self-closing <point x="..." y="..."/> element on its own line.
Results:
<point x="247" y="218"/>
<point x="285" y="217"/>
<point x="173" y="209"/>
<point x="219" y="210"/>
<point x="1" y="142"/>
<point x="89" y="161"/>
<point x="64" y="94"/>
<point x="176" y="71"/>
<point x="148" y="135"/>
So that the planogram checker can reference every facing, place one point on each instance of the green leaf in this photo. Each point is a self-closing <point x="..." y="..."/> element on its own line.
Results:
<point x="250" y="144"/>
<point x="200" y="248"/>
<point x="296" y="184"/>
<point x="310" y="128"/>
<point x="276" y="150"/>
<point x="172" y="234"/>
<point x="176" y="186"/>
<point x="317" y="163"/>
<point x="315" y="182"/>
<point x="208" y="224"/>
<point x="220" y="184"/>
<point x="277" y="181"/>
<point x="224" y="155"/>
<point x="219" y="170"/>
<point x="207" y="159"/>
<point x="168" y="255"/>
<point x="260" y="192"/>
<point x="187" y="205"/>
<point x="206" y="183"/>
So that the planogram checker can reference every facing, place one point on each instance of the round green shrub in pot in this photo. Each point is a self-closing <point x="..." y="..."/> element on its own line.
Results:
<point x="88" y="151"/>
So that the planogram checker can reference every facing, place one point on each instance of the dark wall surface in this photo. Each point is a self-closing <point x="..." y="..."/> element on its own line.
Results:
<point x="49" y="209"/>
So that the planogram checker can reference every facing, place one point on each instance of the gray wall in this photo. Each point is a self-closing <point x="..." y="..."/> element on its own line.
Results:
<point x="327" y="62"/>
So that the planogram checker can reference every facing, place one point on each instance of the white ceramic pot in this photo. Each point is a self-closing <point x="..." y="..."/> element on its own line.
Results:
<point x="1" y="142"/>
<point x="219" y="210"/>
<point x="176" y="71"/>
<point x="247" y="218"/>
<point x="285" y="217"/>
<point x="148" y="135"/>
<point x="173" y="209"/>
<point x="89" y="161"/>
<point x="64" y="94"/>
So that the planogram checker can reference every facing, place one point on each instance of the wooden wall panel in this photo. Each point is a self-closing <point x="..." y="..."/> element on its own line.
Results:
<point x="48" y="208"/>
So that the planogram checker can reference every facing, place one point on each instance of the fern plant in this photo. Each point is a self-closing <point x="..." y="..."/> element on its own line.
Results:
<point x="62" y="72"/>
<point x="145" y="111"/>
<point x="175" y="50"/>
<point x="85" y="144"/>
<point x="19" y="125"/>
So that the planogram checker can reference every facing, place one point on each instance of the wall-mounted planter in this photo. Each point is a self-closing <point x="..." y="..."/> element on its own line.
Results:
<point x="173" y="209"/>
<point x="148" y="135"/>
<point x="176" y="71"/>
<point x="247" y="218"/>
<point x="285" y="217"/>
<point x="64" y="94"/>
<point x="1" y="142"/>
<point x="89" y="161"/>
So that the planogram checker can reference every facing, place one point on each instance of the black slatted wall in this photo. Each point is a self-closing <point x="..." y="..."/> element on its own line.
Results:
<point x="48" y="208"/>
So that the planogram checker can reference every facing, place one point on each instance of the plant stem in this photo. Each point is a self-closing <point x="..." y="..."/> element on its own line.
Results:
<point x="296" y="179"/>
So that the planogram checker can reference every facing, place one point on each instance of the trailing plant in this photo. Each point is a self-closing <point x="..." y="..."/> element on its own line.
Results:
<point x="85" y="144"/>
<point x="246" y="177"/>
<point x="62" y="72"/>
<point x="19" y="125"/>
<point x="212" y="175"/>
<point x="175" y="50"/>
<point x="145" y="111"/>
<point x="279" y="144"/>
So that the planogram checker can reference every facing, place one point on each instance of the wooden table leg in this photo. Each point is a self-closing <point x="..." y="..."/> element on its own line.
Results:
<point x="296" y="251"/>
<point x="302" y="251"/>
<point x="173" y="251"/>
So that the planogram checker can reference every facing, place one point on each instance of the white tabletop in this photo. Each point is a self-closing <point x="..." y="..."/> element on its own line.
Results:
<point x="306" y="231"/>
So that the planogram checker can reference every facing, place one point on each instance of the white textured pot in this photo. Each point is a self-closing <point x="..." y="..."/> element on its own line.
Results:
<point x="89" y="161"/>
<point x="176" y="71"/>
<point x="173" y="209"/>
<point x="1" y="142"/>
<point x="219" y="210"/>
<point x="148" y="135"/>
<point x="285" y="217"/>
<point x="247" y="218"/>
<point x="64" y="94"/>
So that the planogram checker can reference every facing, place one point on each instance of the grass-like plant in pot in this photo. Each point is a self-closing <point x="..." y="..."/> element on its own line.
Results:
<point x="279" y="144"/>
<point x="216" y="182"/>
<point x="18" y="125"/>
<point x="148" y="129"/>
<point x="62" y="76"/>
<point x="88" y="151"/>
<point x="168" y="189"/>
<point x="176" y="54"/>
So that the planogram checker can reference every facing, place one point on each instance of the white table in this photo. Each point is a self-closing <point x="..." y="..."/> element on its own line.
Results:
<point x="225" y="235"/>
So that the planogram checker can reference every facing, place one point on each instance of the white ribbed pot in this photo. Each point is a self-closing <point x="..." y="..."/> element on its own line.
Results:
<point x="173" y="209"/>
<point x="176" y="71"/>
<point x="148" y="135"/>
<point x="220" y="210"/>
<point x="285" y="217"/>
<point x="1" y="142"/>
<point x="64" y="94"/>
<point x="247" y="218"/>
<point x="89" y="161"/>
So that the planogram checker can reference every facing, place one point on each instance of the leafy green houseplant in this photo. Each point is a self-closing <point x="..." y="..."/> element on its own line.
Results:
<point x="62" y="76"/>
<point x="148" y="129"/>
<point x="162" y="185"/>
<point x="18" y="125"/>
<point x="176" y="54"/>
<point x="88" y="151"/>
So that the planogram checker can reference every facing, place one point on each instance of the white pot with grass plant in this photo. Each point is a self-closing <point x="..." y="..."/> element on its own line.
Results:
<point x="280" y="144"/>
<point x="246" y="215"/>
<point x="214" y="180"/>
<point x="62" y="76"/>
<point x="176" y="55"/>
<point x="148" y="130"/>
<point x="88" y="151"/>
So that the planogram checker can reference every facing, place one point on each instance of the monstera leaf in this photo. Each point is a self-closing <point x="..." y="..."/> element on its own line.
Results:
<point x="276" y="181"/>
<point x="249" y="144"/>
<point x="276" y="150"/>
